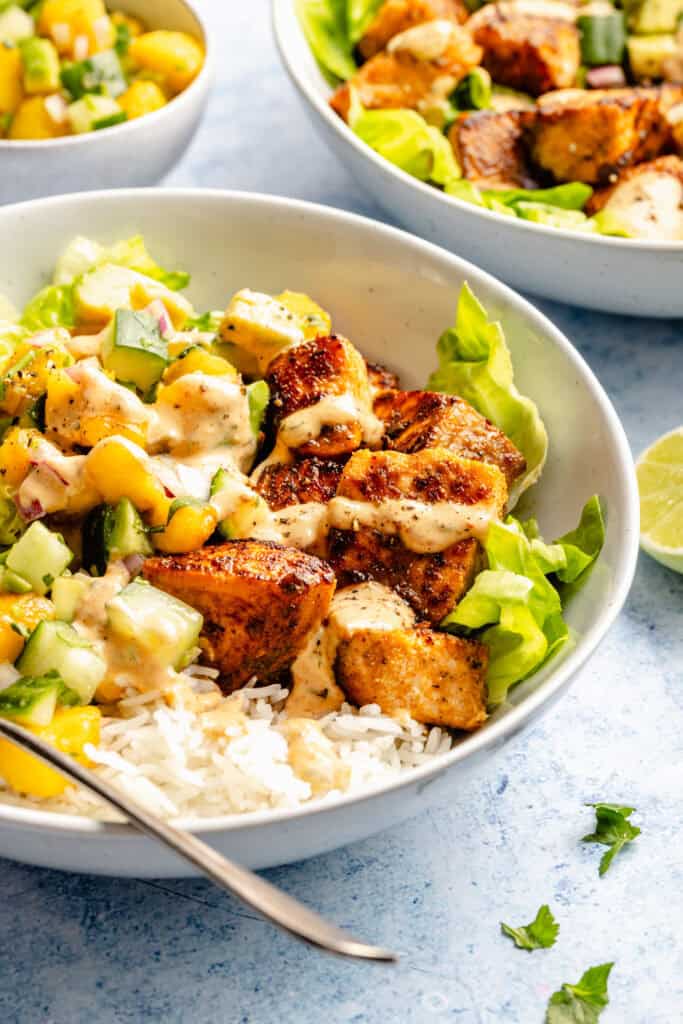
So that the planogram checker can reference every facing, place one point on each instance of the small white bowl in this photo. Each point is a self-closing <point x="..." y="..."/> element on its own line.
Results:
<point x="138" y="152"/>
<point x="618" y="275"/>
<point x="393" y="295"/>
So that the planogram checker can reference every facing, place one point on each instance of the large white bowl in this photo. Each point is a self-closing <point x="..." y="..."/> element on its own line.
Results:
<point x="392" y="294"/>
<point x="613" y="274"/>
<point x="138" y="152"/>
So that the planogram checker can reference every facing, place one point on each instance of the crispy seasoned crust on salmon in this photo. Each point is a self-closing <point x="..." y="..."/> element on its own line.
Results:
<point x="401" y="80"/>
<point x="396" y="16"/>
<point x="429" y="475"/>
<point x="296" y="483"/>
<point x="525" y="52"/>
<point x="592" y="135"/>
<point x="302" y="376"/>
<point x="381" y="379"/>
<point x="437" y="678"/>
<point x="415" y="420"/>
<point x="490" y="149"/>
<point x="260" y="603"/>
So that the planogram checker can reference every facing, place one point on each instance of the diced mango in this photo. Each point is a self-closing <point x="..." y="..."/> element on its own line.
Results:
<point x="69" y="731"/>
<point x="189" y="528"/>
<point x="20" y="610"/>
<point x="67" y="21"/>
<point x="16" y="454"/>
<point x="11" y="78"/>
<point x="198" y="360"/>
<point x="22" y="388"/>
<point x="65" y="417"/>
<point x="177" y="56"/>
<point x="32" y="121"/>
<point x="315" y="322"/>
<point x="119" y="469"/>
<point x="141" y="98"/>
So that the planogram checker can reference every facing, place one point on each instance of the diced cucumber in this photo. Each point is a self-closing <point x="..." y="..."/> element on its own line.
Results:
<point x="258" y="396"/>
<point x="651" y="17"/>
<point x="111" y="532"/>
<point x="56" y="646"/>
<point x="102" y="73"/>
<point x="67" y="595"/>
<point x="14" y="584"/>
<point x="86" y="112"/>
<point x="15" y="25"/>
<point x="39" y="557"/>
<point x="41" y="65"/>
<point x="31" y="701"/>
<point x="155" y="622"/>
<point x="245" y="510"/>
<point x="133" y="349"/>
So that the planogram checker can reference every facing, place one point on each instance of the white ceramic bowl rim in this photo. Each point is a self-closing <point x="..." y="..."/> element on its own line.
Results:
<point x="280" y="12"/>
<point x="496" y="731"/>
<point x="70" y="141"/>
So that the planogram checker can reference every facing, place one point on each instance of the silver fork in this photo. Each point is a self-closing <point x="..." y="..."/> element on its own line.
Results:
<point x="276" y="906"/>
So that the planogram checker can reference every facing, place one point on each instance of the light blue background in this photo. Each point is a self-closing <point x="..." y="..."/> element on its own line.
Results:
<point x="78" y="950"/>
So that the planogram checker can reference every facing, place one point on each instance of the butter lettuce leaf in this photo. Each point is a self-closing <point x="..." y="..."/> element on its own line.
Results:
<point x="359" y="14"/>
<point x="475" y="363"/>
<point x="53" y="306"/>
<point x="325" y="24"/>
<point x="83" y="254"/>
<point x="515" y="605"/>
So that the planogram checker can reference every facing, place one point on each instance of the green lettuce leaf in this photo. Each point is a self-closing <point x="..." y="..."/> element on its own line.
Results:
<point x="613" y="829"/>
<point x="359" y="14"/>
<point x="83" y="254"/>
<point x="581" y="1003"/>
<point x="405" y="139"/>
<point x="571" y="196"/>
<point x="53" y="306"/>
<point x="475" y="363"/>
<point x="325" y="25"/>
<point x="583" y="545"/>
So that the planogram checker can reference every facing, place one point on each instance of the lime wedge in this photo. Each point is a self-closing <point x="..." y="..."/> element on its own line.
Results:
<point x="660" y="481"/>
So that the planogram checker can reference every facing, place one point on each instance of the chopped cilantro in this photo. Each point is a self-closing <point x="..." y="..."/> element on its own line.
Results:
<point x="582" y="1003"/>
<point x="540" y="934"/>
<point x="612" y="829"/>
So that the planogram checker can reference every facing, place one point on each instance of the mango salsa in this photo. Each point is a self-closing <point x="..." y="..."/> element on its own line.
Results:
<point x="70" y="730"/>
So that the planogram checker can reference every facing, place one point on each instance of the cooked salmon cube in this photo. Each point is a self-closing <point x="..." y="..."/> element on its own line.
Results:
<point x="381" y="379"/>
<point x="260" y="603"/>
<point x="525" y="52"/>
<point x="490" y="148"/>
<point x="415" y="420"/>
<point x="398" y="78"/>
<point x="396" y="16"/>
<point x="437" y="678"/>
<point x="591" y="135"/>
<point x="647" y="199"/>
<point x="320" y="399"/>
<point x="431" y="584"/>
<point x="296" y="483"/>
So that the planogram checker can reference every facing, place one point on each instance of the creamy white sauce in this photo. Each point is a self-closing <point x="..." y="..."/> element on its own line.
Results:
<point x="206" y="411"/>
<point x="315" y="691"/>
<point x="530" y="8"/>
<point x="428" y="41"/>
<point x="333" y="410"/>
<point x="423" y="528"/>
<point x="98" y="396"/>
<point x="301" y="526"/>
<point x="55" y="479"/>
<point x="650" y="205"/>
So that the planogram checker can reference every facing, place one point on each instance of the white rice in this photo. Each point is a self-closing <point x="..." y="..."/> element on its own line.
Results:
<point x="162" y="757"/>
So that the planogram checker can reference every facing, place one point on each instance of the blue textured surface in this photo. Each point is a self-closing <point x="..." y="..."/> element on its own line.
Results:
<point x="78" y="950"/>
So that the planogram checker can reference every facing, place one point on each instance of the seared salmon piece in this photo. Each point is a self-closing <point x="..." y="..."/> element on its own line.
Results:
<point x="530" y="53"/>
<point x="431" y="584"/>
<point x="647" y="199"/>
<point x="411" y="522"/>
<point x="490" y="148"/>
<point x="320" y="399"/>
<point x="296" y="483"/>
<point x="260" y="603"/>
<point x="398" y="78"/>
<point x="415" y="420"/>
<point x="591" y="135"/>
<point x="437" y="678"/>
<point x="396" y="16"/>
<point x="381" y="379"/>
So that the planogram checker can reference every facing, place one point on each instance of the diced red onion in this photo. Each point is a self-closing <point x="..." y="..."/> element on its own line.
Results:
<point x="134" y="563"/>
<point x="29" y="510"/>
<point x="609" y="76"/>
<point x="49" y="470"/>
<point x="158" y="310"/>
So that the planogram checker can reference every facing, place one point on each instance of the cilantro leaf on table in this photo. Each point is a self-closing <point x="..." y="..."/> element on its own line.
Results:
<point x="540" y="934"/>
<point x="581" y="1003"/>
<point x="612" y="829"/>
